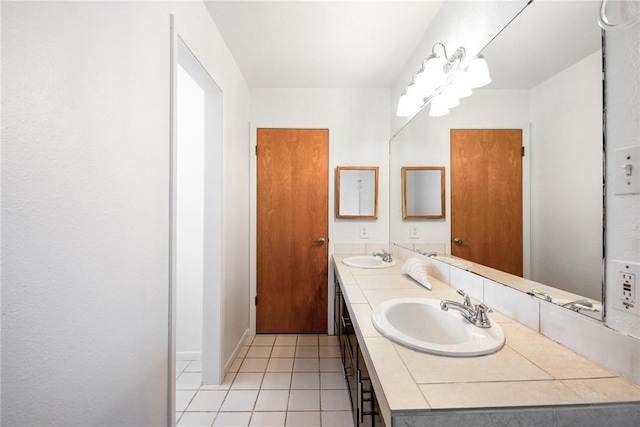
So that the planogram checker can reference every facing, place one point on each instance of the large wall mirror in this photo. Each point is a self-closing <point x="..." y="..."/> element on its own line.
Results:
<point x="423" y="190"/>
<point x="357" y="192"/>
<point x="546" y="68"/>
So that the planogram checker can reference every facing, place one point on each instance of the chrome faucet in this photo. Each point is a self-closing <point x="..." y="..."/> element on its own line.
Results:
<point x="545" y="296"/>
<point x="427" y="254"/>
<point x="386" y="256"/>
<point x="475" y="314"/>
<point x="583" y="304"/>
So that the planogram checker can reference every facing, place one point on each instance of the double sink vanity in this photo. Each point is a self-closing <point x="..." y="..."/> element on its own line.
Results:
<point x="409" y="362"/>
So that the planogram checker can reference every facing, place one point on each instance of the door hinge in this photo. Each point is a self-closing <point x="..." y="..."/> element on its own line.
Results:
<point x="255" y="302"/>
<point x="522" y="151"/>
<point x="256" y="150"/>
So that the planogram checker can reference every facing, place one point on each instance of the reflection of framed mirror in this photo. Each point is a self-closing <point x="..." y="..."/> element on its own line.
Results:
<point x="423" y="192"/>
<point x="357" y="192"/>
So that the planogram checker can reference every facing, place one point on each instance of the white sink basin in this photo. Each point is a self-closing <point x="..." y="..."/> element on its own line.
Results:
<point x="367" y="261"/>
<point x="420" y="324"/>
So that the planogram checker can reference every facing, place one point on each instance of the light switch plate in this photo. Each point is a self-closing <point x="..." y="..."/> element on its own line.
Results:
<point x="627" y="170"/>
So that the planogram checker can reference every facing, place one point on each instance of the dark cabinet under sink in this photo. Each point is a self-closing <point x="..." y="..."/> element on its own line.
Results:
<point x="354" y="369"/>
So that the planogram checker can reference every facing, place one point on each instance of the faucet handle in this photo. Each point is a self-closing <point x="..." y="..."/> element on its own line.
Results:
<point x="483" y="308"/>
<point x="467" y="300"/>
<point x="482" y="320"/>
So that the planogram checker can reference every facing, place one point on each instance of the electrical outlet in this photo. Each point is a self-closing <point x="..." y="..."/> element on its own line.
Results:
<point x="413" y="232"/>
<point x="628" y="281"/>
<point x="364" y="232"/>
<point x="627" y="275"/>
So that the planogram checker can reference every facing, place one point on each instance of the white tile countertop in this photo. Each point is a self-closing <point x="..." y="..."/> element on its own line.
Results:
<point x="531" y="370"/>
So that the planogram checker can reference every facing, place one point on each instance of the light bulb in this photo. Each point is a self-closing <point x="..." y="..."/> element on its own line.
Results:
<point x="478" y="72"/>
<point x="460" y="84"/>
<point x="438" y="107"/>
<point x="424" y="79"/>
<point x="449" y="98"/>
<point x="413" y="91"/>
<point x="407" y="105"/>
<point x="433" y="73"/>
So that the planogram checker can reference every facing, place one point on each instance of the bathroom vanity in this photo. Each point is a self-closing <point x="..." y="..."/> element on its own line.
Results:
<point x="532" y="380"/>
<point x="365" y="407"/>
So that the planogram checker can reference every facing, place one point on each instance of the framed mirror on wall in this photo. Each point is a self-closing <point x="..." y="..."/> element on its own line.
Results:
<point x="423" y="190"/>
<point x="357" y="192"/>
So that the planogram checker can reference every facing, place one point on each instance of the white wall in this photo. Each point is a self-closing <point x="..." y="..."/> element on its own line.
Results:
<point x="622" y="102"/>
<point x="85" y="207"/>
<point x="566" y="179"/>
<point x="190" y="216"/>
<point x="358" y="123"/>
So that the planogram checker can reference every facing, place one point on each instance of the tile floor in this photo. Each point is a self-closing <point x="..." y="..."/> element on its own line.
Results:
<point x="276" y="381"/>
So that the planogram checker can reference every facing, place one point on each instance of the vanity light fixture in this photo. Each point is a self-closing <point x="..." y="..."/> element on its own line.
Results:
<point x="442" y="80"/>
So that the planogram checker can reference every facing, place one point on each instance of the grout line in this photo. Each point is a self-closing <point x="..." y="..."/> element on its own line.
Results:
<point x="318" y="373"/>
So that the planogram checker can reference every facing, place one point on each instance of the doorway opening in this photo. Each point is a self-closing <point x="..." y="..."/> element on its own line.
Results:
<point x="195" y="333"/>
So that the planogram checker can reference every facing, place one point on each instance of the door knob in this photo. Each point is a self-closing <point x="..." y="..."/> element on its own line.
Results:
<point x="458" y="241"/>
<point x="320" y="241"/>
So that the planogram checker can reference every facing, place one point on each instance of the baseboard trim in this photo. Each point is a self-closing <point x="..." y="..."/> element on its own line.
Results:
<point x="235" y="352"/>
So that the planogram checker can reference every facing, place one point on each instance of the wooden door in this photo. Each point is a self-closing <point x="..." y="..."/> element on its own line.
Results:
<point x="292" y="218"/>
<point x="486" y="197"/>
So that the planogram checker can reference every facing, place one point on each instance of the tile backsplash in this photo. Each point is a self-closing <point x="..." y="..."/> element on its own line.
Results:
<point x="470" y="283"/>
<point x="359" y="248"/>
<point x="512" y="303"/>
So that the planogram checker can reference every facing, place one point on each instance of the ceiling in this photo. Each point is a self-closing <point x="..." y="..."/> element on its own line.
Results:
<point x="366" y="43"/>
<point x="322" y="44"/>
<point x="546" y="38"/>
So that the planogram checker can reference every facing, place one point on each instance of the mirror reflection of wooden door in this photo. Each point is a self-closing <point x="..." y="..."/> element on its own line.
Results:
<point x="292" y="230"/>
<point x="486" y="197"/>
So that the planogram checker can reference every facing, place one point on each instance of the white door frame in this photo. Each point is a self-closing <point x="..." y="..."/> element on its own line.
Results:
<point x="212" y="310"/>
